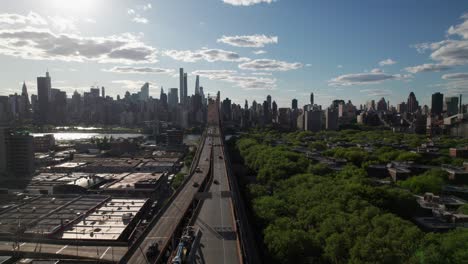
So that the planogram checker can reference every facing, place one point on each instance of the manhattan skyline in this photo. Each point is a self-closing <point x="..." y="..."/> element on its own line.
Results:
<point x="280" y="48"/>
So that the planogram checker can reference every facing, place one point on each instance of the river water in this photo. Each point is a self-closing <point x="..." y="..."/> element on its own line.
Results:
<point x="72" y="136"/>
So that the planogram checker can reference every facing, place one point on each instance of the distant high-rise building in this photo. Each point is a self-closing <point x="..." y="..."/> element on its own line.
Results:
<point x="401" y="107"/>
<point x="274" y="111"/>
<point x="197" y="85"/>
<point x="3" y="151"/>
<point x="451" y="105"/>
<point x="24" y="93"/>
<point x="103" y="92"/>
<point x="313" y="120"/>
<point x="172" y="97"/>
<point x="370" y="105"/>
<point x="437" y="105"/>
<point x="181" y="84"/>
<point x="184" y="100"/>
<point x="382" y="105"/>
<point x="331" y="119"/>
<point x="144" y="92"/>
<point x="269" y="101"/>
<point x="226" y="110"/>
<point x="19" y="154"/>
<point x="44" y="87"/>
<point x="294" y="104"/>
<point x="163" y="97"/>
<point x="312" y="98"/>
<point x="412" y="104"/>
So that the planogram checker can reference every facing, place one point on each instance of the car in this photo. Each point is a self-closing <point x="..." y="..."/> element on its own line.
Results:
<point x="195" y="184"/>
<point x="198" y="169"/>
<point x="216" y="182"/>
<point x="220" y="157"/>
<point x="153" y="250"/>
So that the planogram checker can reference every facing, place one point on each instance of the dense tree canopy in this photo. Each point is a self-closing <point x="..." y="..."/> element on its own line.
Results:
<point x="311" y="214"/>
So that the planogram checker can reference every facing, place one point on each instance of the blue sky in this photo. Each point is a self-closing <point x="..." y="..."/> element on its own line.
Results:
<point x="338" y="49"/>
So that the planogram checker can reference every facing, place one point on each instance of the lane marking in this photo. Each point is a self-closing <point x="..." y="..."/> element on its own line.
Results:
<point x="60" y="250"/>
<point x="22" y="244"/>
<point x="104" y="252"/>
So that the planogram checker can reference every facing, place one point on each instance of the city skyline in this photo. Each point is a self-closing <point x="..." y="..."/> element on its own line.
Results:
<point x="246" y="59"/>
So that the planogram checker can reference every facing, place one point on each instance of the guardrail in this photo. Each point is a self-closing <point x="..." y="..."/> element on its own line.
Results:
<point x="248" y="252"/>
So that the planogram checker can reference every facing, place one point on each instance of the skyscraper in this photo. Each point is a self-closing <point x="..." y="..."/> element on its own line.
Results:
<point x="331" y="119"/>
<point x="44" y="86"/>
<point x="24" y="93"/>
<point x="269" y="101"/>
<point x="437" y="105"/>
<point x="184" y="99"/>
<point x="382" y="105"/>
<point x="144" y="92"/>
<point x="412" y="104"/>
<point x="197" y="85"/>
<point x="181" y="84"/>
<point x="163" y="97"/>
<point x="294" y="104"/>
<point x="312" y="98"/>
<point x="172" y="97"/>
<point x="103" y="92"/>
<point x="451" y="105"/>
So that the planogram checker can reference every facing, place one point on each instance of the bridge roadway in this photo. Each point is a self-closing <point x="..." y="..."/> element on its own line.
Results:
<point x="219" y="242"/>
<point x="166" y="226"/>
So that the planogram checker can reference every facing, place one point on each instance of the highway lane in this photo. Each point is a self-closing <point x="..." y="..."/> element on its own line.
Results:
<point x="167" y="224"/>
<point x="216" y="220"/>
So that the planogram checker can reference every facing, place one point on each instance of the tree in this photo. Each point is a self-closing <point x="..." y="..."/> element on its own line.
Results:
<point x="430" y="181"/>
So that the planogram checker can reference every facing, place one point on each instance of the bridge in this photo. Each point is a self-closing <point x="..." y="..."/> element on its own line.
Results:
<point x="208" y="200"/>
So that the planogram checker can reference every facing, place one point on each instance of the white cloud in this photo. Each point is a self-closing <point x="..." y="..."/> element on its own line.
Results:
<point x="456" y="76"/>
<point x="63" y="23"/>
<point x="89" y="20"/>
<point x="449" y="52"/>
<point x="365" y="78"/>
<point x="262" y="73"/>
<point x="146" y="7"/>
<point x="42" y="44"/>
<point x="215" y="74"/>
<point x="141" y="20"/>
<point x="259" y="52"/>
<point x="244" y="82"/>
<point x="246" y="2"/>
<point x="132" y="84"/>
<point x="376" y="92"/>
<point x="269" y="65"/>
<point x="32" y="19"/>
<point x="461" y="29"/>
<point x="251" y="41"/>
<point x="387" y="62"/>
<point x="429" y="67"/>
<point x="210" y="55"/>
<point x="135" y="13"/>
<point x="139" y="70"/>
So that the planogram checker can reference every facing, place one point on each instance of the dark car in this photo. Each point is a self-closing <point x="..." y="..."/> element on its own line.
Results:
<point x="195" y="184"/>
<point x="153" y="250"/>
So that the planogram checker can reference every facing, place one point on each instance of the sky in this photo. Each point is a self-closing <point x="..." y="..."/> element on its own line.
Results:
<point x="246" y="49"/>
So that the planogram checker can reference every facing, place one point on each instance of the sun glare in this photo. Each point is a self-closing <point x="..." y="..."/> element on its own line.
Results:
<point x="74" y="6"/>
